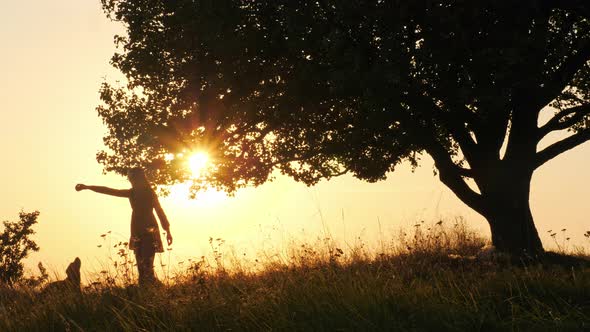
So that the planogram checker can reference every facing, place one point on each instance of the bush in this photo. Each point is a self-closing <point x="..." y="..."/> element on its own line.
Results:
<point x="15" y="245"/>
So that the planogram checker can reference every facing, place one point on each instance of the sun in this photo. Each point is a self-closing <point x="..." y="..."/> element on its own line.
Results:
<point x="197" y="163"/>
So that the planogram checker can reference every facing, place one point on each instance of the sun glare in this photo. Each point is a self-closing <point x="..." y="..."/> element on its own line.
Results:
<point x="197" y="163"/>
<point x="179" y="194"/>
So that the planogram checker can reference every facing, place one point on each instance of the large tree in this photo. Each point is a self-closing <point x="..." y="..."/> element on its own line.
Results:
<point x="320" y="88"/>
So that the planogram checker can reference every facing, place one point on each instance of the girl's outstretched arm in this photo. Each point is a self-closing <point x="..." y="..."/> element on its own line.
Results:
<point x="105" y="190"/>
<point x="163" y="219"/>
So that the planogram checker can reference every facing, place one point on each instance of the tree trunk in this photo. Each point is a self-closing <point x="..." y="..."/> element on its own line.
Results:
<point x="503" y="198"/>
<point x="509" y="215"/>
<point x="514" y="231"/>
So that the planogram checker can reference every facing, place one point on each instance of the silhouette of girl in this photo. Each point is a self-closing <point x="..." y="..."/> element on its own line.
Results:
<point x="145" y="236"/>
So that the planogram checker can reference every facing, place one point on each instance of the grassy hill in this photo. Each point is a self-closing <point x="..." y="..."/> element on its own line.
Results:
<point x="430" y="280"/>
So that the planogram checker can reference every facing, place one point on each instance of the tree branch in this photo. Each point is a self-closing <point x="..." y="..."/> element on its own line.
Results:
<point x="562" y="146"/>
<point x="571" y="115"/>
<point x="464" y="172"/>
<point x="579" y="7"/>
<point x="455" y="124"/>
<point x="450" y="175"/>
<point x="564" y="74"/>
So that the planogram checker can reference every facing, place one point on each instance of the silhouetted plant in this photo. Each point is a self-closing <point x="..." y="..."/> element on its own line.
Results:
<point x="15" y="245"/>
<point x="454" y="238"/>
<point x="120" y="270"/>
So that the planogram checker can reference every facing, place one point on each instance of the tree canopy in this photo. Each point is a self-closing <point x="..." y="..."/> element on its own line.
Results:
<point x="317" y="89"/>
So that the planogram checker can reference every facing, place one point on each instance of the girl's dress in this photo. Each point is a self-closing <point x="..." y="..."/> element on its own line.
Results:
<point x="145" y="234"/>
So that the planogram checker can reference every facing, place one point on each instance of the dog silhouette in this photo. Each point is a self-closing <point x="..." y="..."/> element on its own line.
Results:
<point x="71" y="283"/>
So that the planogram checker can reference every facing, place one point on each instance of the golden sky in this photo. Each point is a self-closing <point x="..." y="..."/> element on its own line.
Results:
<point x="53" y="57"/>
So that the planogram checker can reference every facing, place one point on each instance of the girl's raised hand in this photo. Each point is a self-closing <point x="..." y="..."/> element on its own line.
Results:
<point x="80" y="186"/>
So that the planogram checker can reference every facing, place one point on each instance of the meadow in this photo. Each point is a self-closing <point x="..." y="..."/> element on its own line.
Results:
<point x="431" y="278"/>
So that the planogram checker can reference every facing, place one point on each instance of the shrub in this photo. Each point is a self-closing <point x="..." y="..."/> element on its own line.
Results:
<point x="15" y="245"/>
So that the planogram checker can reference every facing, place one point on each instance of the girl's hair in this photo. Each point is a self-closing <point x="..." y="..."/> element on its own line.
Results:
<point x="137" y="178"/>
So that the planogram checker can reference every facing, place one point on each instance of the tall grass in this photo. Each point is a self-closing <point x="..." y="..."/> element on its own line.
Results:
<point x="428" y="279"/>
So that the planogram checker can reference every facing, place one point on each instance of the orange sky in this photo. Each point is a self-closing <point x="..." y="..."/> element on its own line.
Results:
<point x="55" y="54"/>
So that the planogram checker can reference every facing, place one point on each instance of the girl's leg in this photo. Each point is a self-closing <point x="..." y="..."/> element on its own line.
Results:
<point x="140" y="260"/>
<point x="144" y="255"/>
<point x="150" y="255"/>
